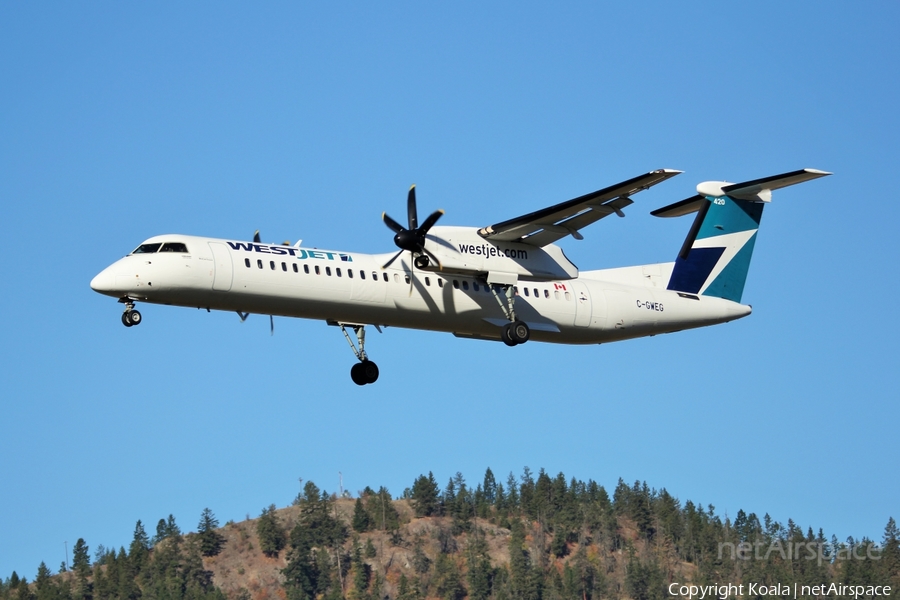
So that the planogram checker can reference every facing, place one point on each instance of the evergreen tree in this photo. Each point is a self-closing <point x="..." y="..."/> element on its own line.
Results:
<point x="211" y="541"/>
<point x="81" y="558"/>
<point x="361" y="521"/>
<point x="381" y="509"/>
<point x="140" y="548"/>
<point x="271" y="534"/>
<point x="425" y="496"/>
<point x="890" y="553"/>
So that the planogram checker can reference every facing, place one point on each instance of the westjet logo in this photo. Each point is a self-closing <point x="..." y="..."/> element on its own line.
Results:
<point x="300" y="253"/>
<point x="491" y="251"/>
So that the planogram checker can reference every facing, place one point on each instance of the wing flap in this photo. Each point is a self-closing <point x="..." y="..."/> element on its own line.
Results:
<point x="545" y="226"/>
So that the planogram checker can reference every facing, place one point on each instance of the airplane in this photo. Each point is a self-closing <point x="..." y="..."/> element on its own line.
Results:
<point x="505" y="282"/>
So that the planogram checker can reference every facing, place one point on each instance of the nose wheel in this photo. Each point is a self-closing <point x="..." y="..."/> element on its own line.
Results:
<point x="130" y="316"/>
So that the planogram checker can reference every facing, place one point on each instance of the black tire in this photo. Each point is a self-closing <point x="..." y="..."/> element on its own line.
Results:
<point x="126" y="320"/>
<point x="506" y="335"/>
<point x="135" y="317"/>
<point x="369" y="371"/>
<point x="356" y="374"/>
<point x="519" y="332"/>
<point x="421" y="262"/>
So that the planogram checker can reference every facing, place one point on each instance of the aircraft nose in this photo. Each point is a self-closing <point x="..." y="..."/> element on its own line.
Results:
<point x="104" y="282"/>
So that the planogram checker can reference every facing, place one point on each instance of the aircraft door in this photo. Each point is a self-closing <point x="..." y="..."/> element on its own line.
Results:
<point x="224" y="269"/>
<point x="582" y="304"/>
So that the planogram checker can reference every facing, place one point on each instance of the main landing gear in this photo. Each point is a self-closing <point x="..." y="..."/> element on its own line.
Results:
<point x="365" y="371"/>
<point x="515" y="332"/>
<point x="130" y="316"/>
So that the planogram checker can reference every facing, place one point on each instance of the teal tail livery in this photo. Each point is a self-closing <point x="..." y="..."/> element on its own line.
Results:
<point x="715" y="257"/>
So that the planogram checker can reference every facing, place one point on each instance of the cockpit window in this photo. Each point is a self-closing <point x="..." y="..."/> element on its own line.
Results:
<point x="147" y="249"/>
<point x="174" y="247"/>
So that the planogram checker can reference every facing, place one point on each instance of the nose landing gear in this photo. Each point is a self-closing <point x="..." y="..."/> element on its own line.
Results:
<point x="130" y="316"/>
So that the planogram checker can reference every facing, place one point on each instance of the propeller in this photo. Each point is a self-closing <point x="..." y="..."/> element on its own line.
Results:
<point x="412" y="239"/>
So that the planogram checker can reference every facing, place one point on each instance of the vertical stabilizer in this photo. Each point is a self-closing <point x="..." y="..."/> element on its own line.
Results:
<point x="715" y="257"/>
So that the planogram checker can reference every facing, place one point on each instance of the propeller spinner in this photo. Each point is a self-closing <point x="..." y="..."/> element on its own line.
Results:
<point x="412" y="239"/>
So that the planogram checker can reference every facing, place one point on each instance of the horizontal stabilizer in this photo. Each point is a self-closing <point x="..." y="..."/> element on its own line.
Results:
<point x="750" y="190"/>
<point x="680" y="208"/>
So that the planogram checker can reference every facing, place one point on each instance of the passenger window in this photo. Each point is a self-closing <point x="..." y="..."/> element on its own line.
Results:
<point x="465" y="285"/>
<point x="272" y="264"/>
<point x="568" y="296"/>
<point x="328" y="271"/>
<point x="247" y="262"/>
<point x="284" y="267"/>
<point x="516" y="290"/>
<point x="556" y="294"/>
<point x="536" y="293"/>
<point x="350" y="273"/>
<point x="396" y="278"/>
<point x="306" y="269"/>
<point x="259" y="263"/>
<point x="362" y="274"/>
<point x="440" y="283"/>
<point x="147" y="249"/>
<point x="455" y="284"/>
<point x="406" y="279"/>
<point x="318" y="272"/>
<point x="174" y="247"/>
<point x="337" y="271"/>
<point x="546" y="293"/>
<point x="526" y="291"/>
<point x="475" y="285"/>
<point x="384" y="276"/>
<point x="295" y="268"/>
<point x="427" y="281"/>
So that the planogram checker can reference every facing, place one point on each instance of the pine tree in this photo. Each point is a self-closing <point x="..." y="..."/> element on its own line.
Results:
<point x="211" y="541"/>
<point x="890" y="553"/>
<point x="425" y="495"/>
<point x="271" y="534"/>
<point x="361" y="520"/>
<point x="139" y="549"/>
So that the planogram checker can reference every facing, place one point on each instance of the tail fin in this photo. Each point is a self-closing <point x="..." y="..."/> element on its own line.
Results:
<point x="715" y="257"/>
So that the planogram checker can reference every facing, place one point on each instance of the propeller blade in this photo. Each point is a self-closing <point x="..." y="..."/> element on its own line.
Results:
<point x="412" y="272"/>
<point x="271" y="325"/>
<point x="256" y="237"/>
<point x="432" y="257"/>
<point x="392" y="224"/>
<point x="411" y="209"/>
<point x="393" y="258"/>
<point x="430" y="221"/>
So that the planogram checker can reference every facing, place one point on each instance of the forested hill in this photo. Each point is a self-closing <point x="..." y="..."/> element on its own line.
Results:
<point x="532" y="538"/>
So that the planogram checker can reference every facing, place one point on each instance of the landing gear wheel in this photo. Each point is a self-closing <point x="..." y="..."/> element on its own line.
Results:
<point x="126" y="320"/>
<point x="519" y="332"/>
<point x="364" y="372"/>
<point x="369" y="371"/>
<point x="134" y="316"/>
<point x="421" y="262"/>
<point x="506" y="335"/>
<point x="356" y="374"/>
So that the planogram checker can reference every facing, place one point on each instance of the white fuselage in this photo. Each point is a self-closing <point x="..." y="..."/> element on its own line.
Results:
<point x="345" y="287"/>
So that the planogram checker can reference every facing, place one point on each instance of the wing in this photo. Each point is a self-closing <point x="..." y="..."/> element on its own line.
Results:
<point x="555" y="222"/>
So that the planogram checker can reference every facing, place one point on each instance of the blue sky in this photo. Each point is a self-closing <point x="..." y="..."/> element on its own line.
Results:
<point x="123" y="121"/>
